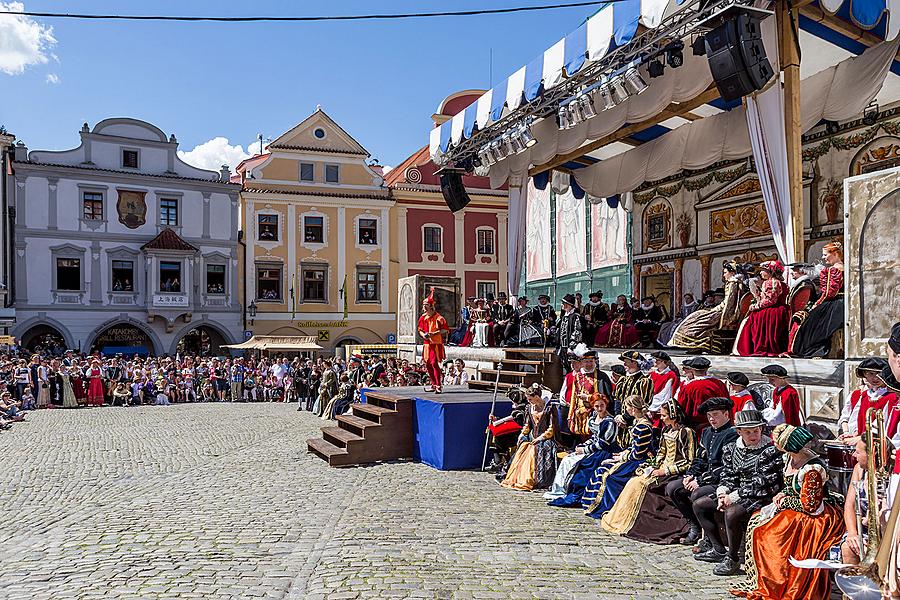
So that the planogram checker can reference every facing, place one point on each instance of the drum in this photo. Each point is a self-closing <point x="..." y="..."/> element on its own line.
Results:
<point x="839" y="457"/>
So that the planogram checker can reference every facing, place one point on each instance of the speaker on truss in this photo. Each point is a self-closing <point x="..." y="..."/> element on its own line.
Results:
<point x="453" y="190"/>
<point x="737" y="56"/>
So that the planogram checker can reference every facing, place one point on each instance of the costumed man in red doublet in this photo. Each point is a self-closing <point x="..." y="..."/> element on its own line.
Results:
<point x="785" y="399"/>
<point x="700" y="388"/>
<point x="872" y="393"/>
<point x="434" y="329"/>
<point x="665" y="381"/>
<point x="741" y="397"/>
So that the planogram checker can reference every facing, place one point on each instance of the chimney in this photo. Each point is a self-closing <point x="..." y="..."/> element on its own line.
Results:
<point x="21" y="152"/>
<point x="225" y="174"/>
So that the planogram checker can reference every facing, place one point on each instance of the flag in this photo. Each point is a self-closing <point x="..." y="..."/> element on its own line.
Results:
<point x="344" y="294"/>
<point x="293" y="299"/>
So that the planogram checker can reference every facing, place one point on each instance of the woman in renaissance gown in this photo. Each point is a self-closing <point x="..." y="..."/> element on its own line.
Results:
<point x="95" y="384"/>
<point x="802" y="522"/>
<point x="575" y="470"/>
<point x="610" y="477"/>
<point x="534" y="464"/>
<point x="695" y="331"/>
<point x="68" y="393"/>
<point x="764" y="331"/>
<point x="825" y="317"/>
<point x="619" y="331"/>
<point x="644" y="511"/>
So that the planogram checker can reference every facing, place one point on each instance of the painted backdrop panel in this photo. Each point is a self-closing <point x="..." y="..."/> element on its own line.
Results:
<point x="609" y="233"/>
<point x="537" y="243"/>
<point x="571" y="256"/>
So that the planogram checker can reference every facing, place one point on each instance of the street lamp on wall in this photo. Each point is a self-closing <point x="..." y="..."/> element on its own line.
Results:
<point x="251" y="310"/>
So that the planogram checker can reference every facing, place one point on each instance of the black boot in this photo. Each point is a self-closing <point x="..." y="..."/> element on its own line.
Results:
<point x="712" y="556"/>
<point x="693" y="535"/>
<point x="727" y="567"/>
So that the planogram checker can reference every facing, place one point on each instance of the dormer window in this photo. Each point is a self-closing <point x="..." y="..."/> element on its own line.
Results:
<point x="130" y="159"/>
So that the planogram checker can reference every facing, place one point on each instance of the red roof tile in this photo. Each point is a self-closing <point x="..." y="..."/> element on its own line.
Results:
<point x="168" y="240"/>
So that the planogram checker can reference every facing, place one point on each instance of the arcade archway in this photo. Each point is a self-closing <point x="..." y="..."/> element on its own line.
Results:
<point x="201" y="340"/>
<point x="44" y="339"/>
<point x="123" y="338"/>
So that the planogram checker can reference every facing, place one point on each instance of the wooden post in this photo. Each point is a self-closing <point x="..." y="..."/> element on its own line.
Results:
<point x="790" y="66"/>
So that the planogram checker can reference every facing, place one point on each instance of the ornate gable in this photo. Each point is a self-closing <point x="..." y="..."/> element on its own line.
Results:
<point x="319" y="133"/>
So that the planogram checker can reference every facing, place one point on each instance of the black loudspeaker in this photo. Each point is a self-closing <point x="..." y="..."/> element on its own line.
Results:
<point x="454" y="191"/>
<point x="737" y="57"/>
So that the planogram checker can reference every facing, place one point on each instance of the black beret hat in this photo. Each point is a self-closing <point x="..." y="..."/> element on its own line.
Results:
<point x="776" y="370"/>
<point x="887" y="376"/>
<point x="894" y="341"/>
<point x="873" y="363"/>
<point x="697" y="362"/>
<point x="717" y="403"/>
<point x="660" y="355"/>
<point x="738" y="378"/>
<point x="618" y="369"/>
<point x="631" y="355"/>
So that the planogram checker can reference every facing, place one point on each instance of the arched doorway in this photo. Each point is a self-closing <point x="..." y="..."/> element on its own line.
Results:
<point x="123" y="338"/>
<point x="202" y="340"/>
<point x="44" y="339"/>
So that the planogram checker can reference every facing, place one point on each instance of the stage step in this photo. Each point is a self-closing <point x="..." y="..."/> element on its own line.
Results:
<point x="479" y="384"/>
<point x="522" y="361"/>
<point x="334" y="456"/>
<point x="541" y="351"/>
<point x="379" y="429"/>
<point x="493" y="372"/>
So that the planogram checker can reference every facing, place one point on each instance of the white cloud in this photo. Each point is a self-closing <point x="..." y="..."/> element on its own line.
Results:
<point x="52" y="78"/>
<point x="213" y="154"/>
<point x="23" y="41"/>
<point x="386" y="169"/>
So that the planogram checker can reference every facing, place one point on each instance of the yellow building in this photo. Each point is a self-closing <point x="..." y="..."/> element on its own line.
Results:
<point x="316" y="221"/>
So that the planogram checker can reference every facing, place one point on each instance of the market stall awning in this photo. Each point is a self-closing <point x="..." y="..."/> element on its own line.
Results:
<point x="278" y="342"/>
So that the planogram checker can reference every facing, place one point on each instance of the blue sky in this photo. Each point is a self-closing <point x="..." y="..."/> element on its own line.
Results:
<point x="380" y="80"/>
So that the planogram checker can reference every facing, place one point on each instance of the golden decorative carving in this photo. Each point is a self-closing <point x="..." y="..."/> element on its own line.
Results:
<point x="754" y="257"/>
<point x="873" y="159"/>
<point x="739" y="222"/>
<point x="656" y="269"/>
<point x="747" y="186"/>
<point x="657" y="226"/>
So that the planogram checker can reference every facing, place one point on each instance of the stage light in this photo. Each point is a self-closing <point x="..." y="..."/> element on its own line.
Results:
<point x="527" y="137"/>
<point x="482" y="170"/>
<point x="576" y="116"/>
<point x="675" y="54"/>
<point x="487" y="157"/>
<point x="587" y="106"/>
<point x="498" y="150"/>
<point x="515" y="143"/>
<point x="634" y="81"/>
<point x="870" y="113"/>
<point x="656" y="68"/>
<point x="606" y="96"/>
<point x="699" y="45"/>
<point x="619" y="93"/>
<point x="563" y="118"/>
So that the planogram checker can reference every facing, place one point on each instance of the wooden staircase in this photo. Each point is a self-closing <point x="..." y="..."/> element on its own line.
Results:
<point x="519" y="367"/>
<point x="379" y="429"/>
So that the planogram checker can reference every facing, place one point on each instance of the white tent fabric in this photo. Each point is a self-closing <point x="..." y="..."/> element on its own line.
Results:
<point x="515" y="242"/>
<point x="837" y="93"/>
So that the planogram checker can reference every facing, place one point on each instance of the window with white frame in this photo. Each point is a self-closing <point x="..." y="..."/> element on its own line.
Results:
<point x="68" y="274"/>
<point x="123" y="275"/>
<point x="432" y="235"/>
<point x="168" y="212"/>
<point x="130" y="159"/>
<point x="368" y="231"/>
<point x="170" y="276"/>
<point x="314" y="279"/>
<point x="268" y="283"/>
<point x="267" y="230"/>
<point x="215" y="279"/>
<point x="92" y="206"/>
<point x="313" y="229"/>
<point x="368" y="282"/>
<point x="483" y="288"/>
<point x="485" y="241"/>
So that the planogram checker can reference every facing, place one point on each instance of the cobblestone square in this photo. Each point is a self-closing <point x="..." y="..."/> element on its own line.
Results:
<point x="222" y="501"/>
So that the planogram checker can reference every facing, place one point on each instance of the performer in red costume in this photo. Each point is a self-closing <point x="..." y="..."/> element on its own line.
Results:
<point x="785" y="400"/>
<point x="852" y="422"/>
<point x="433" y="328"/>
<point x="665" y="380"/>
<point x="700" y="388"/>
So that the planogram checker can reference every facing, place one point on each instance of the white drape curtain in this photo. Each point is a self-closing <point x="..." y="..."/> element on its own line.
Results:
<point x="515" y="238"/>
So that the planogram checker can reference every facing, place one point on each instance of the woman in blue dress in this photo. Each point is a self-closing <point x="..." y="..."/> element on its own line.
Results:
<point x="611" y="476"/>
<point x="571" y="481"/>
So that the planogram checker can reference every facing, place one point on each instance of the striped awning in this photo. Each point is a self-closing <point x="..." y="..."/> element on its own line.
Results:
<point x="612" y="26"/>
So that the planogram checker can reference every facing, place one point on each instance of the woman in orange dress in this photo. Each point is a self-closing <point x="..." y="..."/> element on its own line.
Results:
<point x="764" y="332"/>
<point x="804" y="521"/>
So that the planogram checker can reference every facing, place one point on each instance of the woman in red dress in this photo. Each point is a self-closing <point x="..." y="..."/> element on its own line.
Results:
<point x="825" y="317"/>
<point x="619" y="331"/>
<point x="95" y="384"/>
<point x="764" y="332"/>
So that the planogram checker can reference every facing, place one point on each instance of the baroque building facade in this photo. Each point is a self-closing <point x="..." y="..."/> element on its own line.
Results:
<point x="122" y="247"/>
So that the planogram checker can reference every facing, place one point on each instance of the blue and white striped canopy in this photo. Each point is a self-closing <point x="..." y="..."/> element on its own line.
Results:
<point x="612" y="26"/>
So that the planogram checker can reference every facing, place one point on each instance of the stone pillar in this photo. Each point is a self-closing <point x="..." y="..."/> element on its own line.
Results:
<point x="636" y="282"/>
<point x="22" y="274"/>
<point x="705" y="261"/>
<point x="402" y="241"/>
<point x="679" y="285"/>
<point x="501" y="254"/>
<point x="96" y="274"/>
<point x="342" y="256"/>
<point x="21" y="201"/>
<point x="385" y="260"/>
<point x="459" y="241"/>
<point x="52" y="212"/>
<point x="235" y="206"/>
<point x="206" y="216"/>
<point x="233" y="300"/>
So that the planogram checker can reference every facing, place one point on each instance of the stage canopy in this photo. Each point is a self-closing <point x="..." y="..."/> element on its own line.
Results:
<point x="674" y="120"/>
<point x="276" y="342"/>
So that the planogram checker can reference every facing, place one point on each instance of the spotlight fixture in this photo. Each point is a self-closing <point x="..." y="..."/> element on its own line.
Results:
<point x="606" y="96"/>
<point x="870" y="113"/>
<point x="699" y="45"/>
<point x="832" y="127"/>
<point x="634" y="82"/>
<point x="487" y="157"/>
<point x="675" y="53"/>
<point x="619" y="94"/>
<point x="587" y="106"/>
<point x="482" y="170"/>
<point x="656" y="68"/>
<point x="515" y="142"/>
<point x="576" y="116"/>
<point x="563" y="118"/>
<point x="498" y="149"/>
<point x="526" y="137"/>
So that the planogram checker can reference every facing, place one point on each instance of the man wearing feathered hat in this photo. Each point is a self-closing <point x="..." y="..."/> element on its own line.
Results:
<point x="433" y="328"/>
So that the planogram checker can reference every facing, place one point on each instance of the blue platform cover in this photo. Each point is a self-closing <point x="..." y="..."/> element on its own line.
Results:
<point x="450" y="435"/>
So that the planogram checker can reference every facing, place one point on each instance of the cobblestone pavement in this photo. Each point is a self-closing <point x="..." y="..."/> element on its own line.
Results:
<point x="222" y="501"/>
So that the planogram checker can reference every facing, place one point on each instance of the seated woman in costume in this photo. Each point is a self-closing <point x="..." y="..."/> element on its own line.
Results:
<point x="667" y="330"/>
<point x="695" y="331"/>
<point x="479" y="333"/>
<point x="644" y="511"/>
<point x="459" y="334"/>
<point x="534" y="464"/>
<point x="802" y="522"/>
<point x="505" y="432"/>
<point x="610" y="477"/>
<point x="764" y="331"/>
<point x="576" y="469"/>
<point x="619" y="331"/>
<point x="825" y="316"/>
